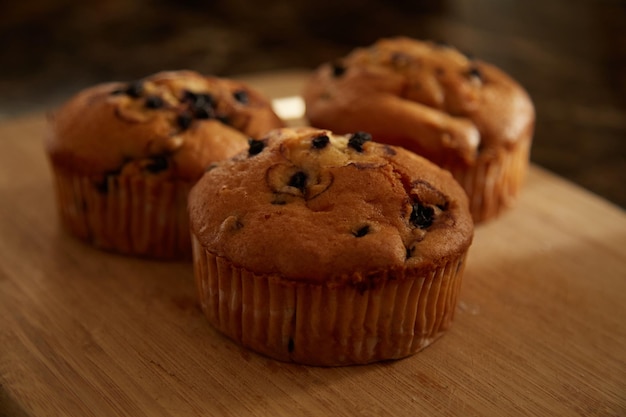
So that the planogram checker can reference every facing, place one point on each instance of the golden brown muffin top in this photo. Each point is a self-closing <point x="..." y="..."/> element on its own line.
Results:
<point x="173" y="124"/>
<point x="310" y="205"/>
<point x="424" y="96"/>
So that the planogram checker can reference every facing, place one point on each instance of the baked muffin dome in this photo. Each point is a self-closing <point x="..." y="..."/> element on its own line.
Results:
<point x="314" y="247"/>
<point x="124" y="155"/>
<point x="464" y="114"/>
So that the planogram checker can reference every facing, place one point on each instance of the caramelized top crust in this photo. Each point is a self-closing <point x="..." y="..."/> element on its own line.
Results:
<point x="313" y="206"/>
<point x="173" y="124"/>
<point x="427" y="97"/>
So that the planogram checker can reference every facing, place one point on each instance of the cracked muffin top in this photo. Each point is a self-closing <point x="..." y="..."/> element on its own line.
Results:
<point x="314" y="206"/>
<point x="172" y="124"/>
<point x="424" y="96"/>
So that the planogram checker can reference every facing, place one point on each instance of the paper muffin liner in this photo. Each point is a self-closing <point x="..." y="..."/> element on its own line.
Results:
<point x="494" y="182"/>
<point x="127" y="214"/>
<point x="327" y="324"/>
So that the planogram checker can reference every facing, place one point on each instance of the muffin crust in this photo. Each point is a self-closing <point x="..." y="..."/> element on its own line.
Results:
<point x="312" y="206"/>
<point x="426" y="97"/>
<point x="173" y="124"/>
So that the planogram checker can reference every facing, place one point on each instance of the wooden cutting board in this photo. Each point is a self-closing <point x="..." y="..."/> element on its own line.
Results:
<point x="540" y="328"/>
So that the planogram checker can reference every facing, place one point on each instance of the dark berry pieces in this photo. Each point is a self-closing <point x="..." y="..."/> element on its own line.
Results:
<point x="474" y="73"/>
<point x="205" y="100"/>
<point x="224" y="119"/>
<point x="320" y="142"/>
<point x="184" y="120"/>
<point x="241" y="96"/>
<point x="198" y="99"/>
<point x="422" y="216"/>
<point x="255" y="147"/>
<point x="189" y="96"/>
<point x="362" y="231"/>
<point x="357" y="140"/>
<point x="298" y="180"/>
<point x="202" y="105"/>
<point x="157" y="164"/>
<point x="154" y="102"/>
<point x="338" y="69"/>
<point x="134" y="89"/>
<point x="204" y="113"/>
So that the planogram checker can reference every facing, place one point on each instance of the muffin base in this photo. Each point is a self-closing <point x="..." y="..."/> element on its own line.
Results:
<point x="493" y="183"/>
<point x="129" y="215"/>
<point x="327" y="324"/>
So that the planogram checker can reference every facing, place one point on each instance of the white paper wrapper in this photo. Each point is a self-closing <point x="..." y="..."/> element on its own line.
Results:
<point x="327" y="324"/>
<point x="130" y="215"/>
<point x="494" y="182"/>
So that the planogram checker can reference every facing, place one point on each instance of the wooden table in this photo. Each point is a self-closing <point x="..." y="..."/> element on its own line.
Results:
<point x="540" y="328"/>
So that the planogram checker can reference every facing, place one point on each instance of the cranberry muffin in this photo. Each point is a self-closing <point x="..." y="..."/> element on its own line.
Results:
<point x="125" y="155"/>
<point x="464" y="114"/>
<point x="328" y="249"/>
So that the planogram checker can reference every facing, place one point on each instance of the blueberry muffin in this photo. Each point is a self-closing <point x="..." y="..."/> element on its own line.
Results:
<point x="325" y="249"/>
<point x="464" y="114"/>
<point x="125" y="155"/>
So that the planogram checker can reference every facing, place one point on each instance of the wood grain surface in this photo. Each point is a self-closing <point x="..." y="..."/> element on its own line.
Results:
<point x="540" y="328"/>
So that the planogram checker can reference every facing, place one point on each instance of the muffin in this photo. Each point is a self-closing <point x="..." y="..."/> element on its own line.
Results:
<point x="328" y="249"/>
<point x="125" y="155"/>
<point x="464" y="114"/>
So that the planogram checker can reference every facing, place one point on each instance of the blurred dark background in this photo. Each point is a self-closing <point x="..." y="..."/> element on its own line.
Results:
<point x="569" y="54"/>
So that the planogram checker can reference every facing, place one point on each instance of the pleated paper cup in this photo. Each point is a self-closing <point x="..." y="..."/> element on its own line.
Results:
<point x="328" y="324"/>
<point x="132" y="215"/>
<point x="494" y="182"/>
